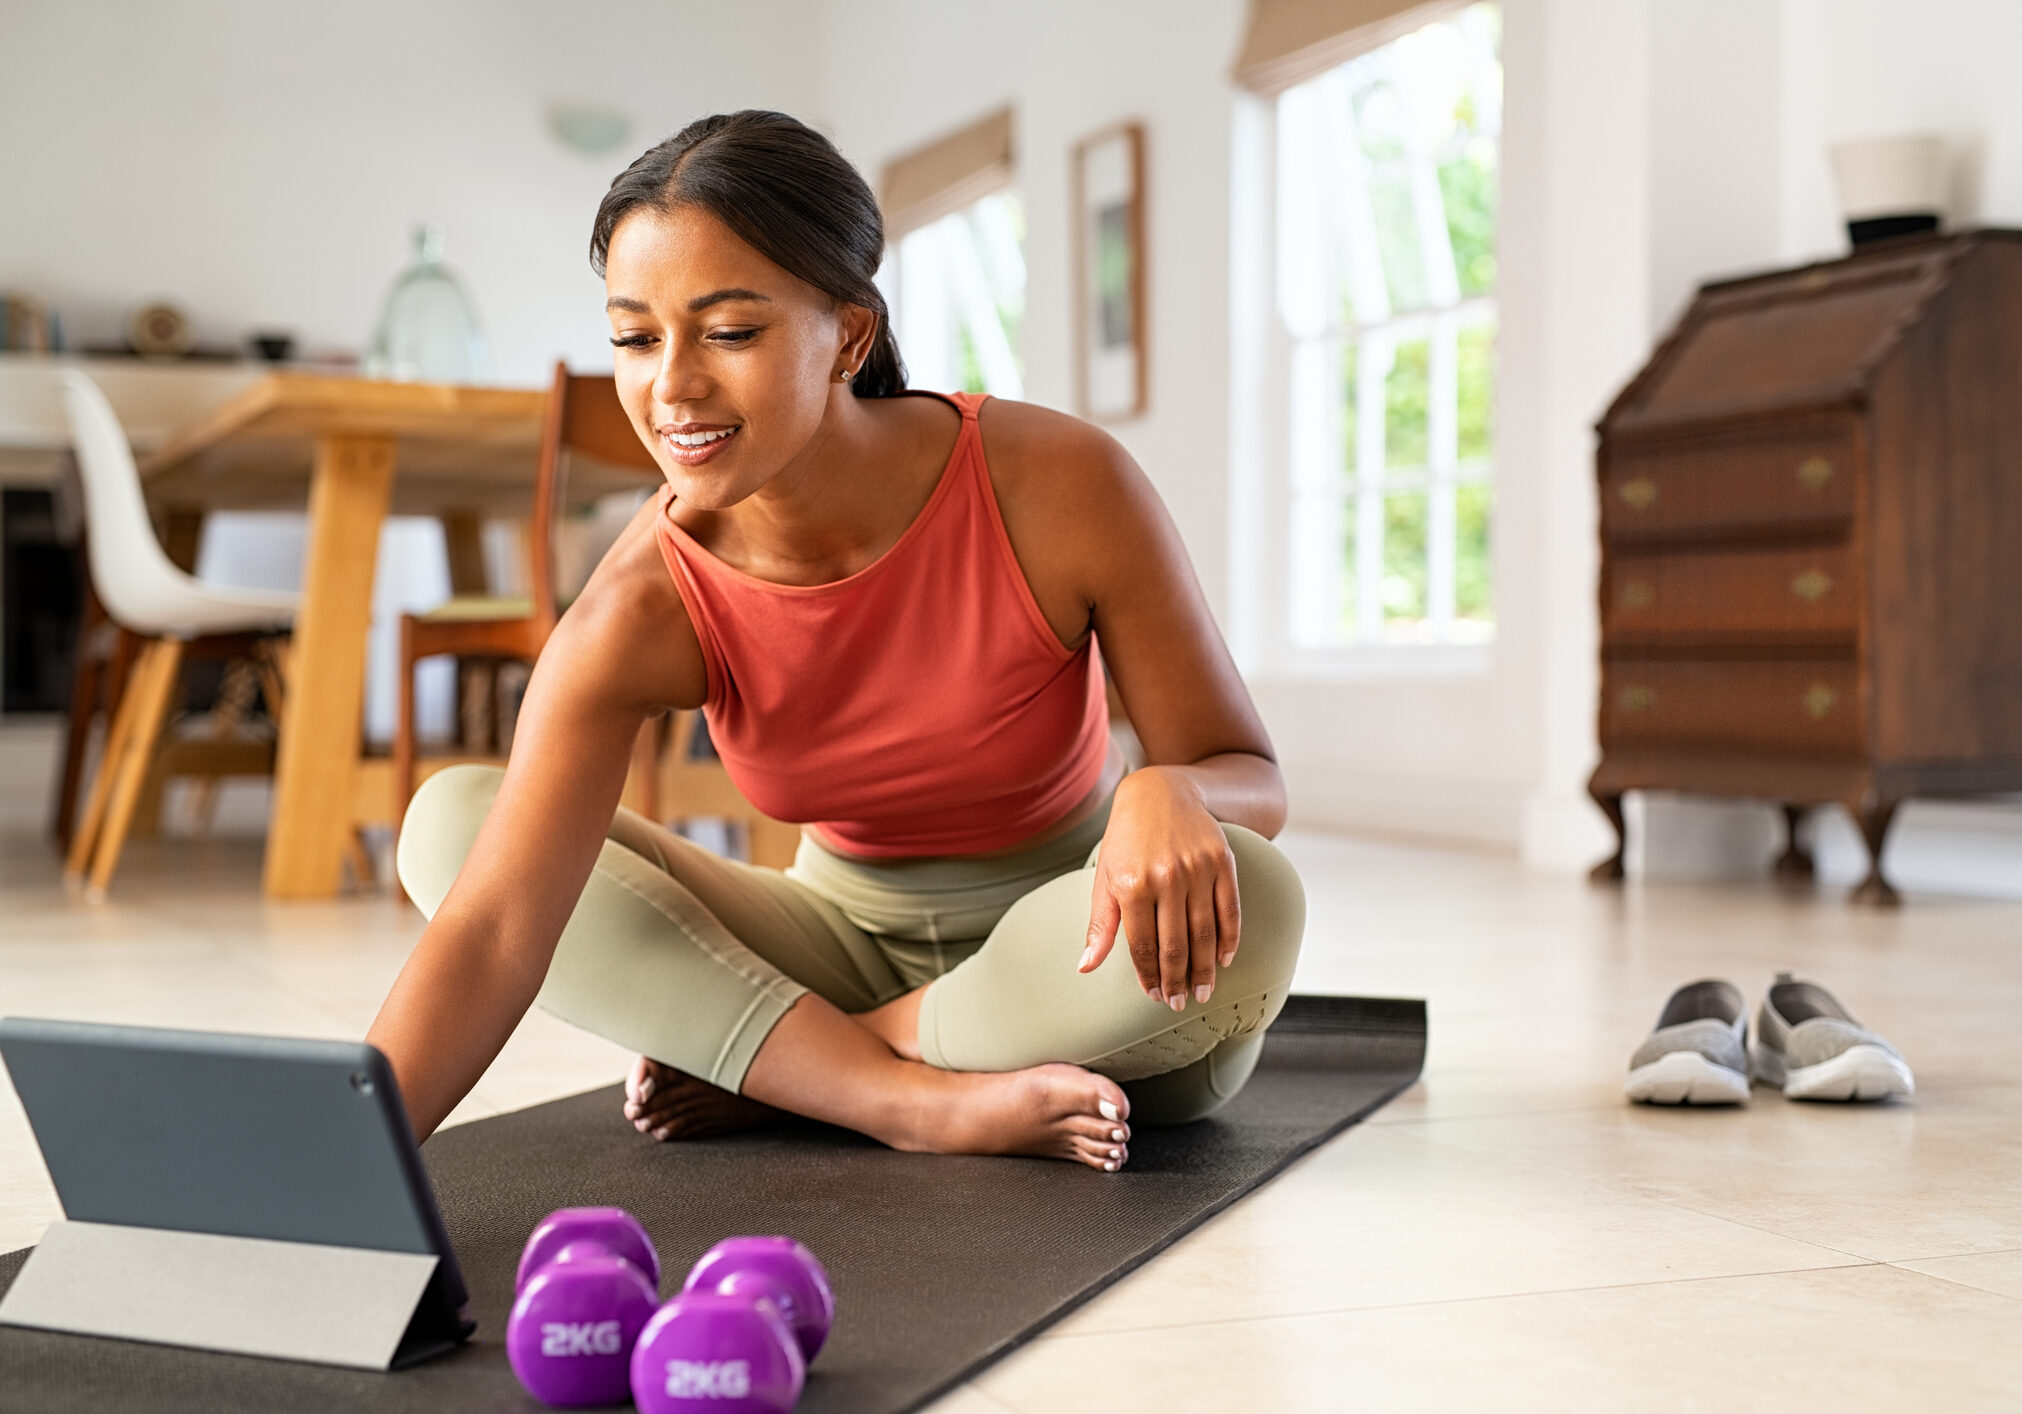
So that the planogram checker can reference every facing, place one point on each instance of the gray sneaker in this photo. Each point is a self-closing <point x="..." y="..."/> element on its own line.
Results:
<point x="1698" y="1055"/>
<point x="1809" y="1047"/>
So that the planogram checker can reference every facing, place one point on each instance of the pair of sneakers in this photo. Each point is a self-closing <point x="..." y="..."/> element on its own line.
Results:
<point x="1806" y="1045"/>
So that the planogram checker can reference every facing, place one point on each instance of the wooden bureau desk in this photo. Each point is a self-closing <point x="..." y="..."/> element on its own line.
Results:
<point x="1811" y="531"/>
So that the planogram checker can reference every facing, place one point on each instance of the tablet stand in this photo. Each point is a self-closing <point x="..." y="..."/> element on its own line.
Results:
<point x="352" y="1306"/>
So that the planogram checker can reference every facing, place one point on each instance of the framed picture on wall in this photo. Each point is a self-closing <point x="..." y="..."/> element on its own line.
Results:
<point x="1109" y="259"/>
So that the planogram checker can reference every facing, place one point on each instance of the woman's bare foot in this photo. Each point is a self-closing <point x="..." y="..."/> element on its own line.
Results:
<point x="825" y="1065"/>
<point x="672" y="1104"/>
<point x="1050" y="1111"/>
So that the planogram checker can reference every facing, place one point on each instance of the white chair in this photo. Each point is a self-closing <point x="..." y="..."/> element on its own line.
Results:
<point x="144" y="592"/>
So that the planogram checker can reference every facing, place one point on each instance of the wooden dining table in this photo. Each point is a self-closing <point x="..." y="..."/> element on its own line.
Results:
<point x="352" y="451"/>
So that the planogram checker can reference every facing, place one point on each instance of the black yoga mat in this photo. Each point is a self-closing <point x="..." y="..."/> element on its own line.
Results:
<point x="940" y="1265"/>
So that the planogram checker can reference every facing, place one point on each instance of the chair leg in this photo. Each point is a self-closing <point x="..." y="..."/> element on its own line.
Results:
<point x="359" y="857"/>
<point x="84" y="839"/>
<point x="228" y="716"/>
<point x="88" y="676"/>
<point x="153" y="688"/>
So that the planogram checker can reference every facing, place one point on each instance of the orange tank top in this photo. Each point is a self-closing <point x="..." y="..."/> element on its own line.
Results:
<point x="922" y="706"/>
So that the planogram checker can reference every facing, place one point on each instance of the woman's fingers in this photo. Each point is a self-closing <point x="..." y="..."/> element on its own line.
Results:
<point x="1140" y="932"/>
<point x="1103" y="919"/>
<point x="1201" y="939"/>
<point x="1228" y="912"/>
<point x="1175" y="945"/>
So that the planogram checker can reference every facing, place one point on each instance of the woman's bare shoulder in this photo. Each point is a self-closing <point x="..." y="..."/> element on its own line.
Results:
<point x="1063" y="478"/>
<point x="628" y="635"/>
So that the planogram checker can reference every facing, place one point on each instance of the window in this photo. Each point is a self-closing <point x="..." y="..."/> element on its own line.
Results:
<point x="1386" y="221"/>
<point x="956" y="288"/>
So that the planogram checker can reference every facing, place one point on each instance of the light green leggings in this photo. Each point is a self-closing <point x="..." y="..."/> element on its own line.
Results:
<point x="691" y="959"/>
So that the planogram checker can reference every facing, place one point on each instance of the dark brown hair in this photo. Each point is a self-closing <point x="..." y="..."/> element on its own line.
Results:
<point x="787" y="193"/>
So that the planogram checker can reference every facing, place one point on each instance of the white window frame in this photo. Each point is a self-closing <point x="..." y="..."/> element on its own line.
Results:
<point x="1292" y="497"/>
<point x="935" y="284"/>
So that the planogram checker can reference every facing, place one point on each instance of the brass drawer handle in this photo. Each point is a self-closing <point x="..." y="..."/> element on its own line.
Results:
<point x="1813" y="473"/>
<point x="1819" y="700"/>
<point x="1637" y="594"/>
<point x="1639" y="493"/>
<point x="1812" y="586"/>
<point x="1638" y="698"/>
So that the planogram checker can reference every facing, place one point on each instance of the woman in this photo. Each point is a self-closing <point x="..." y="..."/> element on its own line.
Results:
<point x="993" y="939"/>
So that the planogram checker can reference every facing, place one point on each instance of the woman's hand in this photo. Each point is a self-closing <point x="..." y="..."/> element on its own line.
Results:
<point x="1166" y="876"/>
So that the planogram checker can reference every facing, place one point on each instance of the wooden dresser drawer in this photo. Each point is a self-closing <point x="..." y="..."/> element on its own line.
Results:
<point x="1793" y="707"/>
<point x="1797" y="476"/>
<point x="1774" y="592"/>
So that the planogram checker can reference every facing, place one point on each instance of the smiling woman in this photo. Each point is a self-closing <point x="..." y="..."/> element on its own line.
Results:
<point x="887" y="605"/>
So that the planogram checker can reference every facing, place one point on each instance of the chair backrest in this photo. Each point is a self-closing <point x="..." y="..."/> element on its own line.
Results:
<point x="130" y="572"/>
<point x="583" y="415"/>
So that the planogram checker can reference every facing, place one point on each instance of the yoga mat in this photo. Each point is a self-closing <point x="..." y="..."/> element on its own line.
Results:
<point x="940" y="1265"/>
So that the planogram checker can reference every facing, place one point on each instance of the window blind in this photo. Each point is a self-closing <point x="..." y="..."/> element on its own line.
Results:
<point x="946" y="175"/>
<point x="1290" y="41"/>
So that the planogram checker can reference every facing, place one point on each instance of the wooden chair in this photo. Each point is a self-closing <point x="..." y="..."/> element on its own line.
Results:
<point x="584" y="417"/>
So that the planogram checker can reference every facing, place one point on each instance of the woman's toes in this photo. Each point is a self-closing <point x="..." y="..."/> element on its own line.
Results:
<point x="1100" y="1130"/>
<point x="1110" y="1103"/>
<point x="639" y="1083"/>
<point x="1097" y="1154"/>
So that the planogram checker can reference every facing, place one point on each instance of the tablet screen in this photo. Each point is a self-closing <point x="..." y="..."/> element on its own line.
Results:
<point x="246" y="1136"/>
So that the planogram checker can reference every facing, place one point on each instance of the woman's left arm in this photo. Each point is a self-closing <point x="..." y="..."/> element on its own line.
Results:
<point x="1164" y="875"/>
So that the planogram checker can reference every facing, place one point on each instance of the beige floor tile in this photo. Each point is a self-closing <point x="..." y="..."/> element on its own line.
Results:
<point x="1999" y="1272"/>
<point x="1891" y="1182"/>
<point x="1860" y="1338"/>
<point x="1386" y="1216"/>
<point x="967" y="1399"/>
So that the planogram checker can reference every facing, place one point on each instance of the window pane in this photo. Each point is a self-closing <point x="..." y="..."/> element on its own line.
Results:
<point x="1344" y="628"/>
<point x="1477" y="392"/>
<point x="1404" y="406"/>
<point x="1468" y="182"/>
<point x="1473" y="504"/>
<point x="1387" y="196"/>
<point x="1404" y="572"/>
<point x="1351" y="361"/>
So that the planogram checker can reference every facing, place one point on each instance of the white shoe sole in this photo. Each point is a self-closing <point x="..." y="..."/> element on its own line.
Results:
<point x="1686" y="1078"/>
<point x="1857" y="1073"/>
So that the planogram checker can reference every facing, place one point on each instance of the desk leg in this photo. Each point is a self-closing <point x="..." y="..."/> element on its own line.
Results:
<point x="316" y="766"/>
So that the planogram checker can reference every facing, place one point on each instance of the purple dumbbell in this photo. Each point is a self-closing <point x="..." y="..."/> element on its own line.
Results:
<point x="737" y="1339"/>
<point x="778" y="1269"/>
<point x="704" y="1350"/>
<point x="588" y="1281"/>
<point x="613" y="1228"/>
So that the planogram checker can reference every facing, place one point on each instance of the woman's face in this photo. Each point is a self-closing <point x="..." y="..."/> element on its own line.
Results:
<point x="725" y="362"/>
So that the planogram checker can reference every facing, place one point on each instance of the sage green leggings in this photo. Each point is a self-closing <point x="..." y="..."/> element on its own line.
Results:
<point x="691" y="958"/>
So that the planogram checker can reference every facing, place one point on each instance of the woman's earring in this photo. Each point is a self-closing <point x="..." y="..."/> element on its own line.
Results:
<point x="844" y="375"/>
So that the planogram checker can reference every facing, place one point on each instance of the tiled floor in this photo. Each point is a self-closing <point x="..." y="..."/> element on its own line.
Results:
<point x="1508" y="1235"/>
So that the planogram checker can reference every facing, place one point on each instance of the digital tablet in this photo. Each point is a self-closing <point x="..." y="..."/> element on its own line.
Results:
<point x="242" y="1136"/>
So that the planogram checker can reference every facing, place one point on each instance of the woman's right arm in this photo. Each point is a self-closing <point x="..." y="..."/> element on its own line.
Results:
<point x="623" y="652"/>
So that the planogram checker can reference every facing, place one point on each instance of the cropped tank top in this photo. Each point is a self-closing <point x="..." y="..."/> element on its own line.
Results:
<point x="921" y="706"/>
